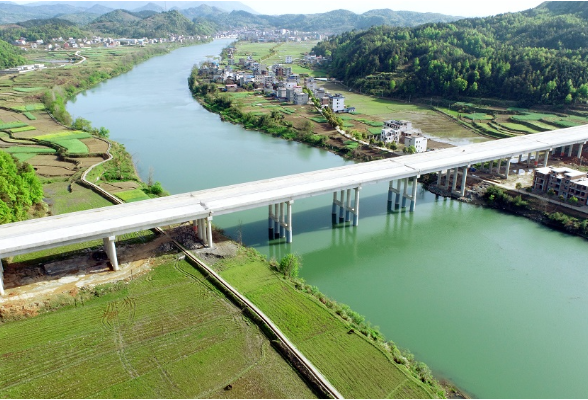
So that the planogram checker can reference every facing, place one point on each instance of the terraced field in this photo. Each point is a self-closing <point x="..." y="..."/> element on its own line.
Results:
<point x="168" y="334"/>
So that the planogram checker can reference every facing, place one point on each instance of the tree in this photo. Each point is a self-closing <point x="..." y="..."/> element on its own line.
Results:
<point x="82" y="124"/>
<point x="409" y="150"/>
<point x="519" y="185"/>
<point x="573" y="200"/>
<point x="551" y="192"/>
<point x="290" y="265"/>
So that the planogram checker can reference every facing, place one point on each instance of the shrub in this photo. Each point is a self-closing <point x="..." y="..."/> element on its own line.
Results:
<point x="290" y="265"/>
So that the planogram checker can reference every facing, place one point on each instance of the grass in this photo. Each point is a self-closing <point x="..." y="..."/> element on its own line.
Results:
<point x="29" y="116"/>
<point x="320" y="120"/>
<point x="30" y="150"/>
<point x="78" y="199"/>
<point x="28" y="90"/>
<point x="166" y="335"/>
<point x="64" y="135"/>
<point x="531" y="116"/>
<point x="518" y="127"/>
<point x="478" y="116"/>
<point x="73" y="146"/>
<point x="129" y="196"/>
<point x="22" y="129"/>
<point x="12" y="125"/>
<point x="352" y="363"/>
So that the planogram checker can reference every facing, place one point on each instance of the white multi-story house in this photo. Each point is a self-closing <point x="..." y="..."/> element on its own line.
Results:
<point x="337" y="102"/>
<point x="417" y="140"/>
<point x="288" y="59"/>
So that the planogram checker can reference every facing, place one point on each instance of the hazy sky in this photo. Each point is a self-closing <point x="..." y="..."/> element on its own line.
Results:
<point x="475" y="8"/>
<point x="472" y="8"/>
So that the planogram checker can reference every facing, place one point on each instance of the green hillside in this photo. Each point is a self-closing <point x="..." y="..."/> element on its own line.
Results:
<point x="538" y="56"/>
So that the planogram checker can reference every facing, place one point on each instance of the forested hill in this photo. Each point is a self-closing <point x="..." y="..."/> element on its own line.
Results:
<point x="333" y="21"/>
<point x="10" y="56"/>
<point x="535" y="56"/>
<point x="128" y="24"/>
<point x="43" y="29"/>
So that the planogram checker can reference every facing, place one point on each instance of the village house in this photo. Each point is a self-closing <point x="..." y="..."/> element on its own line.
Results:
<point x="563" y="181"/>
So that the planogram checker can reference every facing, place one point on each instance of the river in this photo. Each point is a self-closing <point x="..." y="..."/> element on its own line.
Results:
<point x="493" y="302"/>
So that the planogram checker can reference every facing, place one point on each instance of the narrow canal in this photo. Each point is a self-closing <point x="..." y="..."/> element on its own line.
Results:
<point x="493" y="302"/>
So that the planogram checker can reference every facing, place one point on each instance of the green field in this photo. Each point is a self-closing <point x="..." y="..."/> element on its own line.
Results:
<point x="64" y="135"/>
<point x="165" y="335"/>
<point x="29" y="116"/>
<point x="518" y="127"/>
<point x="129" y="196"/>
<point x="352" y="363"/>
<point x="12" y="125"/>
<point x="22" y="129"/>
<point x="30" y="150"/>
<point x="478" y="116"/>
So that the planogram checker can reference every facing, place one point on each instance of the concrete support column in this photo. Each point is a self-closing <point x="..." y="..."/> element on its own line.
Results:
<point x="490" y="166"/>
<point x="209" y="232"/>
<point x="464" y="175"/>
<point x="276" y="222"/>
<point x="341" y="208"/>
<point x="499" y="165"/>
<point x="282" y="221"/>
<point x="520" y="158"/>
<point x="270" y="223"/>
<point x="195" y="229"/>
<point x="546" y="158"/>
<point x="289" y="232"/>
<point x="528" y="159"/>
<point x="580" y="148"/>
<point x="356" y="207"/>
<point x="447" y="176"/>
<point x="537" y="157"/>
<point x="1" y="279"/>
<point x="397" y="201"/>
<point x="454" y="184"/>
<point x="413" y="196"/>
<point x="439" y="178"/>
<point x="334" y="209"/>
<point x="110" y="249"/>
<point x="404" y="192"/>
<point x="507" y="169"/>
<point x="348" y="206"/>
<point x="570" y="150"/>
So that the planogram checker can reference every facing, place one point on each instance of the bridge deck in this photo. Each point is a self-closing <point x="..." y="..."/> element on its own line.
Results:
<point x="22" y="237"/>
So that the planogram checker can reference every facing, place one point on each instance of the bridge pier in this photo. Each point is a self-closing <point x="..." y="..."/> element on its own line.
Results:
<point x="439" y="178"/>
<point x="348" y="206"/>
<point x="356" y="207"/>
<point x="464" y="175"/>
<point x="282" y="221"/>
<point x="580" y="148"/>
<point x="342" y="207"/>
<point x="390" y="195"/>
<point x="270" y="223"/>
<point x="209" y="232"/>
<point x="413" y="195"/>
<point x="499" y="165"/>
<point x="276" y="222"/>
<point x="507" y="168"/>
<point x="397" y="200"/>
<point x="404" y="192"/>
<point x="546" y="158"/>
<point x="520" y="158"/>
<point x="454" y="184"/>
<point x="570" y="148"/>
<point x="289" y="232"/>
<point x="1" y="279"/>
<point x="110" y="249"/>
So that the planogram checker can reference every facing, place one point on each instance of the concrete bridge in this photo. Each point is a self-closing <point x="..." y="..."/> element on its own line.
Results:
<point x="278" y="194"/>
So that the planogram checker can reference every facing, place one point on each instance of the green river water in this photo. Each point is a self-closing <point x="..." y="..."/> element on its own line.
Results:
<point x="493" y="302"/>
